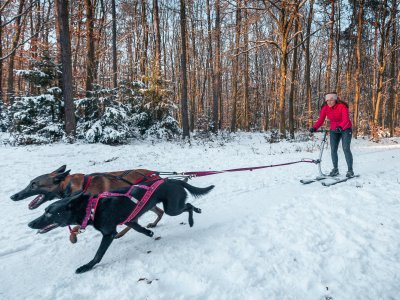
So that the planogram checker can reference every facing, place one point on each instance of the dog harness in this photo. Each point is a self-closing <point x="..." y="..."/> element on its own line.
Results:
<point x="94" y="201"/>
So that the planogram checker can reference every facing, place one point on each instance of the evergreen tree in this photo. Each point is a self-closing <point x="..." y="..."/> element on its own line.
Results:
<point x="38" y="119"/>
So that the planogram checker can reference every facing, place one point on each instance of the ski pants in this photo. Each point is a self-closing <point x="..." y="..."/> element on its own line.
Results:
<point x="335" y="138"/>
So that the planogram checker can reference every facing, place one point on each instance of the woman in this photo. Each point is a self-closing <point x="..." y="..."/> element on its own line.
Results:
<point x="337" y="112"/>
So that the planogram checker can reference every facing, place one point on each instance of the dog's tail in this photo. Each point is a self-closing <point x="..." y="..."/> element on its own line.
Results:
<point x="195" y="191"/>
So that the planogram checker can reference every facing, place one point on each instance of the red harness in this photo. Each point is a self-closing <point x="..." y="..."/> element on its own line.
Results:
<point x="94" y="201"/>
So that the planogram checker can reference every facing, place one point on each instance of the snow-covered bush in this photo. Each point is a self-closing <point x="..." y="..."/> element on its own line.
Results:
<point x="101" y="118"/>
<point x="38" y="119"/>
<point x="152" y="108"/>
<point x="4" y="118"/>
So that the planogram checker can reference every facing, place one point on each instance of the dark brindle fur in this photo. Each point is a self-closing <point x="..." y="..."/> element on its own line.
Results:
<point x="113" y="210"/>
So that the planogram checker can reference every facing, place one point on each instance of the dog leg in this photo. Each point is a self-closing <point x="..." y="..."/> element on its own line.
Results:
<point x="122" y="232"/>
<point x="105" y="243"/>
<point x="139" y="228"/>
<point x="190" y="208"/>
<point x="159" y="212"/>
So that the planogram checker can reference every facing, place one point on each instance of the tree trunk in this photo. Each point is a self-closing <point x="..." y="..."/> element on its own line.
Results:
<point x="1" y="55"/>
<point x="77" y="46"/>
<point x="246" y="98"/>
<point x="337" y="48"/>
<point x="393" y="70"/>
<point x="381" y="72"/>
<point x="145" y="41"/>
<point x="330" y="48"/>
<point x="10" y="81"/>
<point x="293" y="82"/>
<point x="211" y="80"/>
<point x="90" y="58"/>
<point x="61" y="7"/>
<point x="282" y="88"/>
<point x="184" y="100"/>
<point x="156" y="24"/>
<point x="360" y="18"/>
<point x="193" y="72"/>
<point x="307" y="74"/>
<point x="114" y="44"/>
<point x="217" y="101"/>
<point x="236" y="67"/>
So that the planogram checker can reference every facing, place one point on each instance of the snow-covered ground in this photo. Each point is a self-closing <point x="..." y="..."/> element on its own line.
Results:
<point x="261" y="234"/>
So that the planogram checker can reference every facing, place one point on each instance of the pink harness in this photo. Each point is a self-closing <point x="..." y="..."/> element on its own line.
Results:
<point x="94" y="201"/>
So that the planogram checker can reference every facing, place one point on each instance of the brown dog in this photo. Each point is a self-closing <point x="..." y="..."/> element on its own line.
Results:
<point x="59" y="184"/>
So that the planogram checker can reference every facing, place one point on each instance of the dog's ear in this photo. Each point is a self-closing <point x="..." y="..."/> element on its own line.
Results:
<point x="60" y="177"/>
<point x="60" y="169"/>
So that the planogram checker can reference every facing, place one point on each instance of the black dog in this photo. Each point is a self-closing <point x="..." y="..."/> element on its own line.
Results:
<point x="113" y="210"/>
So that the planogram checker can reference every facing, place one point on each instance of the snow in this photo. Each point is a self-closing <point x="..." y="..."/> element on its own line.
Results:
<point x="261" y="234"/>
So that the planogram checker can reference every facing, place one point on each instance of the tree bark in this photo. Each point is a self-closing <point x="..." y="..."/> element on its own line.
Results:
<point x="1" y="55"/>
<point x="184" y="93"/>
<point x="246" y="98"/>
<point x="381" y="71"/>
<point x="114" y="44"/>
<point x="217" y="101"/>
<point x="236" y="66"/>
<point x="360" y="18"/>
<point x="10" y="81"/>
<point x="211" y="80"/>
<point x="293" y="82"/>
<point x="156" y="22"/>
<point x="330" y="48"/>
<point x="62" y="15"/>
<point x="90" y="56"/>
<point x="145" y="41"/>
<point x="393" y="70"/>
<point x="307" y="70"/>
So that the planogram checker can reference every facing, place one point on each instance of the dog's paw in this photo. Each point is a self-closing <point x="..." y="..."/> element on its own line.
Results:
<point x="151" y="233"/>
<point x="151" y="225"/>
<point x="83" y="269"/>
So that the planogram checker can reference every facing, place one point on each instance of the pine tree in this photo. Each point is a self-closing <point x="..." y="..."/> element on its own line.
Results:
<point x="38" y="119"/>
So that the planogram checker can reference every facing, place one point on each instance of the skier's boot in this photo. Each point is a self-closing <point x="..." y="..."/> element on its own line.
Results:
<point x="334" y="172"/>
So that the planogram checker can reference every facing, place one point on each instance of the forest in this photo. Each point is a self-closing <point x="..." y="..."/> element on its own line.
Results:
<point x="109" y="71"/>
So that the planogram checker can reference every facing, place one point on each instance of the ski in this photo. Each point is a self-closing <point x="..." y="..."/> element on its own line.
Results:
<point x="338" y="180"/>
<point x="308" y="181"/>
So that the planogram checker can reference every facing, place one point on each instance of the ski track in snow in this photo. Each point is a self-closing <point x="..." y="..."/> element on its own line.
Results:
<point x="261" y="234"/>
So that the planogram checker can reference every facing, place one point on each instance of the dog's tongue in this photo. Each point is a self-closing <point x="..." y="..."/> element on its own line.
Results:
<point x="48" y="228"/>
<point x="36" y="202"/>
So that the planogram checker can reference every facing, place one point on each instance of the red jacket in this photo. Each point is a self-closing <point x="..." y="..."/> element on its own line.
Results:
<point x="338" y="115"/>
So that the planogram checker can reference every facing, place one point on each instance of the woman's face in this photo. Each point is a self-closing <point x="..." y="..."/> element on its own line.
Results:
<point x="331" y="102"/>
<point x="331" y="99"/>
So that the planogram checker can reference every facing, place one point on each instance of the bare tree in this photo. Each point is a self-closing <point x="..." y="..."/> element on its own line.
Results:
<point x="156" y="25"/>
<point x="114" y="44"/>
<point x="236" y="66"/>
<point x="184" y="93"/>
<point x="330" y="47"/>
<point x="10" y="81"/>
<point x="62" y="14"/>
<point x="90" y="58"/>
<point x="307" y="71"/>
<point x="360" y="14"/>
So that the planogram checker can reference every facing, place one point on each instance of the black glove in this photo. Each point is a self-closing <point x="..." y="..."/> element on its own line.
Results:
<point x="339" y="129"/>
<point x="312" y="130"/>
